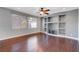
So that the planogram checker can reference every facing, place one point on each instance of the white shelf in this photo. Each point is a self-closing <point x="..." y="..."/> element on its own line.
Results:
<point x="51" y="22"/>
<point x="61" y="22"/>
<point x="48" y="22"/>
<point x="61" y="28"/>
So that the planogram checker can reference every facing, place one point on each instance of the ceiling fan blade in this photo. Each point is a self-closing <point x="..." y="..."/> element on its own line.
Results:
<point x="48" y="10"/>
<point x="47" y="13"/>
<point x="42" y="9"/>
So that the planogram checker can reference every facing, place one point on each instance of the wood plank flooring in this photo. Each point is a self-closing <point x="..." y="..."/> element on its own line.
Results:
<point x="39" y="43"/>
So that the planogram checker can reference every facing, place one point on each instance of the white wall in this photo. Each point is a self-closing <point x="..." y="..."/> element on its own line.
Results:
<point x="78" y="23"/>
<point x="72" y="23"/>
<point x="6" y="30"/>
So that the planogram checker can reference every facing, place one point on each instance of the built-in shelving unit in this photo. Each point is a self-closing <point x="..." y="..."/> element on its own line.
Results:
<point x="62" y="24"/>
<point x="55" y="24"/>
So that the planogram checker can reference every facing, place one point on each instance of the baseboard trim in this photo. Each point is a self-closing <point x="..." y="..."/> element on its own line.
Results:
<point x="39" y="32"/>
<point x="19" y="35"/>
<point x="61" y="36"/>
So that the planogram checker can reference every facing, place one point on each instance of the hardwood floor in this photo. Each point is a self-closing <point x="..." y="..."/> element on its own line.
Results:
<point x="39" y="43"/>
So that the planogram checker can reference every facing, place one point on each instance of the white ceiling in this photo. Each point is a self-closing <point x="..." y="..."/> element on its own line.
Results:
<point x="35" y="10"/>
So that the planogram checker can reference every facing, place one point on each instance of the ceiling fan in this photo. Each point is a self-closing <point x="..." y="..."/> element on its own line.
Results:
<point x="44" y="11"/>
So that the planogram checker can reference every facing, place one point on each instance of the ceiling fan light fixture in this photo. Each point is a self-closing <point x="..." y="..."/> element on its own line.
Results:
<point x="41" y="13"/>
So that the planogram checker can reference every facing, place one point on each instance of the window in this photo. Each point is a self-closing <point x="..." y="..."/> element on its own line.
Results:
<point x="32" y="23"/>
<point x="18" y="21"/>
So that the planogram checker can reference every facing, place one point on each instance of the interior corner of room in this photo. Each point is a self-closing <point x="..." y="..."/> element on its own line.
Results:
<point x="62" y="24"/>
